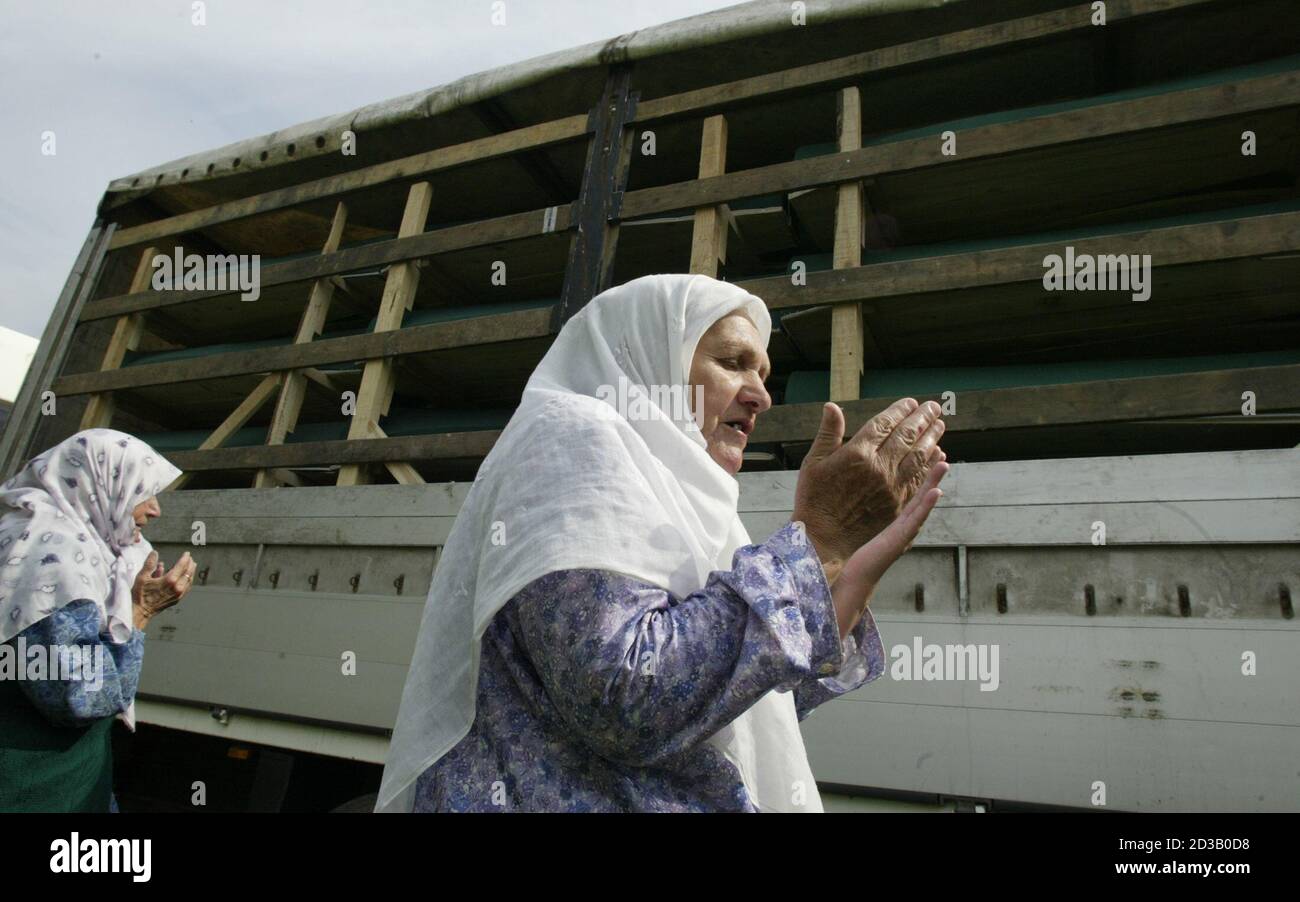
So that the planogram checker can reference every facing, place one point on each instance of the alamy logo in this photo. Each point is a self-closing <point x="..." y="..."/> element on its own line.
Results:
<point x="102" y="856"/>
<point x="1104" y="272"/>
<point x="215" y="272"/>
<point x="659" y="402"/>
<point x="23" y="661"/>
<point x="946" y="662"/>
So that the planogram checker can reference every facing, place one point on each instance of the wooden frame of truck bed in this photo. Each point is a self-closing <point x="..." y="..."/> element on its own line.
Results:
<point x="859" y="294"/>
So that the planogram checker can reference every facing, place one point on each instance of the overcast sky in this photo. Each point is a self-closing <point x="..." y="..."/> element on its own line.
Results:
<point x="129" y="84"/>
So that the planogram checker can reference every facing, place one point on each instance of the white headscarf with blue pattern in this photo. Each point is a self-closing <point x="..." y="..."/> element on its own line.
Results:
<point x="67" y="531"/>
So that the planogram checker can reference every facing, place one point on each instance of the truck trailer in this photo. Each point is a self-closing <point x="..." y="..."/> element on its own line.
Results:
<point x="1076" y="226"/>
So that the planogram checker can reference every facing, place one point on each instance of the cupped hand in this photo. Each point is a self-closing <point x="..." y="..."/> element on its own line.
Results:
<point x="851" y="593"/>
<point x="849" y="492"/>
<point x="156" y="589"/>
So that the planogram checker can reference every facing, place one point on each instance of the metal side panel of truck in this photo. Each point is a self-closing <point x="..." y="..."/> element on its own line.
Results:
<point x="1140" y="610"/>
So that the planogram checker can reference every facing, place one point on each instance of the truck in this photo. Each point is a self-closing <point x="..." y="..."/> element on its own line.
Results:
<point x="1076" y="226"/>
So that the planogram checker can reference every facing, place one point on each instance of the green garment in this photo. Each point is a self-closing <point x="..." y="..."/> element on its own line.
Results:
<point x="45" y="767"/>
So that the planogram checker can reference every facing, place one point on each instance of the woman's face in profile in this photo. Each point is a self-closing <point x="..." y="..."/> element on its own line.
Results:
<point x="730" y="366"/>
<point x="143" y="513"/>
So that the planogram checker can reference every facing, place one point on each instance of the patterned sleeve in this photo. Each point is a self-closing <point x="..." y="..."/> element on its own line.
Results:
<point x="105" y="682"/>
<point x="864" y="661"/>
<point x="642" y="676"/>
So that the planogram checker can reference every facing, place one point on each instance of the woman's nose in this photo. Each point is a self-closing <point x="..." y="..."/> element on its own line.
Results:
<point x="754" y="395"/>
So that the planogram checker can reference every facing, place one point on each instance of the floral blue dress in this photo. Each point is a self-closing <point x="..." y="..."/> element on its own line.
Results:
<point x="596" y="691"/>
<point x="77" y="703"/>
<point x="55" y="747"/>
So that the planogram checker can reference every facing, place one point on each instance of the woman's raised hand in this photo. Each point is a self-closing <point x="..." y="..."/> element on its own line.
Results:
<point x="850" y="492"/>
<point x="156" y="591"/>
<point x="851" y="592"/>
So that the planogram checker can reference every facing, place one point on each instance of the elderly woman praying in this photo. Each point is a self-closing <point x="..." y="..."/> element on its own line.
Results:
<point x="600" y="634"/>
<point x="78" y="584"/>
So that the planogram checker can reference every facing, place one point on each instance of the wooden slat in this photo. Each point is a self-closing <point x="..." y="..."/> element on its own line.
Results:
<point x="819" y="76"/>
<point x="243" y="413"/>
<point x="1122" y="400"/>
<point x="846" y="319"/>
<point x="1170" y="246"/>
<point x="368" y="501"/>
<point x="126" y="335"/>
<point x="1114" y="118"/>
<point x="533" y="137"/>
<point x="502" y="327"/>
<point x="767" y="87"/>
<point x="238" y="418"/>
<point x="376" y="391"/>
<point x="589" y="268"/>
<point x="307" y="454"/>
<point x="709" y="239"/>
<point x="404" y="473"/>
<point x="331" y="532"/>
<point x="1119" y="117"/>
<point x="1118" y="400"/>
<point x="513" y="227"/>
<point x="289" y="405"/>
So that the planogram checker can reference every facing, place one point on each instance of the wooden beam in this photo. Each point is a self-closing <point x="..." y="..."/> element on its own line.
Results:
<point x="376" y="391"/>
<point x="872" y="355"/>
<point x="481" y="330"/>
<point x="1120" y="117"/>
<point x="709" y="239"/>
<point x="512" y="227"/>
<point x="597" y="211"/>
<point x="1111" y="401"/>
<point x="533" y="137"/>
<point x="1122" y="400"/>
<point x="1169" y="246"/>
<point x="1115" y="118"/>
<point x="20" y="428"/>
<point x="404" y="473"/>
<point x="238" y="418"/>
<point x="289" y="405"/>
<point x="817" y="77"/>
<point x="321" y="380"/>
<point x="310" y="454"/>
<point x="847" y="338"/>
<point x="126" y="335"/>
<point x="763" y="88"/>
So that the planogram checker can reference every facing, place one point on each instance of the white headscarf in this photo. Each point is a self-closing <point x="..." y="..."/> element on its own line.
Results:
<point x="66" y="530"/>
<point x="575" y="483"/>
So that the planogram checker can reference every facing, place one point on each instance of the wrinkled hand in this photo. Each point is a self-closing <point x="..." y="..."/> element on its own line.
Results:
<point x="156" y="591"/>
<point x="849" y="492"/>
<point x="862" y="572"/>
